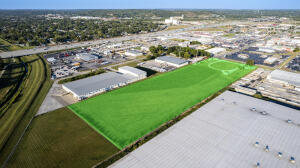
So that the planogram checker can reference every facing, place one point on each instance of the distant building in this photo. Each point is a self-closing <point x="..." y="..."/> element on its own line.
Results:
<point x="270" y="60"/>
<point x="174" y="20"/>
<point x="172" y="61"/>
<point x="216" y="50"/>
<point x="86" y="57"/>
<point x="133" y="71"/>
<point x="133" y="53"/>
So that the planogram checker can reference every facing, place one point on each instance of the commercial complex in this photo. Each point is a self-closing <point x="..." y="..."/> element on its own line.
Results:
<point x="172" y="61"/>
<point x="233" y="130"/>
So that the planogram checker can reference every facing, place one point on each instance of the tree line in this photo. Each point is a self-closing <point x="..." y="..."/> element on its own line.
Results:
<point x="40" y="31"/>
<point x="183" y="52"/>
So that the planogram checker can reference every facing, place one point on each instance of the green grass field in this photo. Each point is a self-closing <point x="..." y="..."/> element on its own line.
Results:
<point x="127" y="114"/>
<point x="24" y="101"/>
<point x="61" y="139"/>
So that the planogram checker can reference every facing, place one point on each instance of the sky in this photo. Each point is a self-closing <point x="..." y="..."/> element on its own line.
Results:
<point x="149" y="4"/>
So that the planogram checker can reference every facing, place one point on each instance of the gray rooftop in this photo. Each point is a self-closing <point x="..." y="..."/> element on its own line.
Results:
<point x="133" y="70"/>
<point x="172" y="60"/>
<point x="85" y="86"/>
<point x="221" y="134"/>
<point x="134" y="52"/>
<point x="87" y="56"/>
<point x="290" y="77"/>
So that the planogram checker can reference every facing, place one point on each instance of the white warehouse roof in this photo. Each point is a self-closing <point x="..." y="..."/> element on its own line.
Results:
<point x="222" y="134"/>
<point x="86" y="86"/>
<point x="172" y="60"/>
<point x="289" y="77"/>
<point x="133" y="71"/>
<point x="216" y="50"/>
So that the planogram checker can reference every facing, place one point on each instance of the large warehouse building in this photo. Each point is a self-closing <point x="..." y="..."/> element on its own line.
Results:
<point x="285" y="77"/>
<point x="172" y="61"/>
<point x="88" y="87"/>
<point x="231" y="131"/>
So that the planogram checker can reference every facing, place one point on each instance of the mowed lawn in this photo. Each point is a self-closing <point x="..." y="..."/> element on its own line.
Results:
<point x="61" y="139"/>
<point x="125" y="115"/>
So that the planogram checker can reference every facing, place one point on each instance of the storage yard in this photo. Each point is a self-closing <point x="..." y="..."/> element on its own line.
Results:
<point x="125" y="115"/>
<point x="233" y="130"/>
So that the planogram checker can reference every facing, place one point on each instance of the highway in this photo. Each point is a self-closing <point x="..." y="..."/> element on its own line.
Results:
<point x="39" y="50"/>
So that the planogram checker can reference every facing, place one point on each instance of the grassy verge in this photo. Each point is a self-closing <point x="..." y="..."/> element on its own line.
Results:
<point x="132" y="64"/>
<point x="68" y="142"/>
<point x="34" y="87"/>
<point x="177" y="27"/>
<point x="7" y="46"/>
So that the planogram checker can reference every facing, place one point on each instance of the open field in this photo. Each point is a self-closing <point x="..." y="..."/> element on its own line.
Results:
<point x="177" y="27"/>
<point x="61" y="139"/>
<point x="127" y="114"/>
<point x="24" y="102"/>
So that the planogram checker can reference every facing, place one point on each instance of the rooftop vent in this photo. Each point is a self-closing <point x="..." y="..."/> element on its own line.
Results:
<point x="257" y="164"/>
<point x="263" y="113"/>
<point x="279" y="154"/>
<point x="292" y="159"/>
<point x="253" y="109"/>
<point x="256" y="144"/>
<point x="267" y="149"/>
<point x="289" y="121"/>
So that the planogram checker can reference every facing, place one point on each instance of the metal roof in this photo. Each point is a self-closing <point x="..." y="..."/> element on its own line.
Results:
<point x="86" y="86"/>
<point x="86" y="56"/>
<point x="133" y="70"/>
<point x="222" y="134"/>
<point x="289" y="77"/>
<point x="172" y="60"/>
<point x="134" y="52"/>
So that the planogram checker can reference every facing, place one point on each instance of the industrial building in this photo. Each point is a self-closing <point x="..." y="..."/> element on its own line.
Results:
<point x="172" y="61"/>
<point x="288" y="78"/>
<point x="133" y="71"/>
<point x="233" y="130"/>
<point x="133" y="53"/>
<point x="282" y="86"/>
<point x="86" y="57"/>
<point x="88" y="87"/>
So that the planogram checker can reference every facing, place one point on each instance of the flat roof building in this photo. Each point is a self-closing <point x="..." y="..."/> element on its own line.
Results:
<point x="133" y="53"/>
<point x="172" y="61"/>
<point x="216" y="50"/>
<point x="133" y="71"/>
<point x="86" y="57"/>
<point x="231" y="131"/>
<point x="88" y="87"/>
<point x="285" y="77"/>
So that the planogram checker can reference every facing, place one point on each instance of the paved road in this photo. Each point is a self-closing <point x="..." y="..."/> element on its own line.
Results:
<point x="101" y="41"/>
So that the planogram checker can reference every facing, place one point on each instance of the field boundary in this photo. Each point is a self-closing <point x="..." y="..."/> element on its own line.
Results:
<point x="154" y="133"/>
<point x="35" y="100"/>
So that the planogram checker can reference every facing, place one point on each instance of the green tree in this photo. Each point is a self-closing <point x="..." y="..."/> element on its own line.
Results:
<point x="250" y="62"/>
